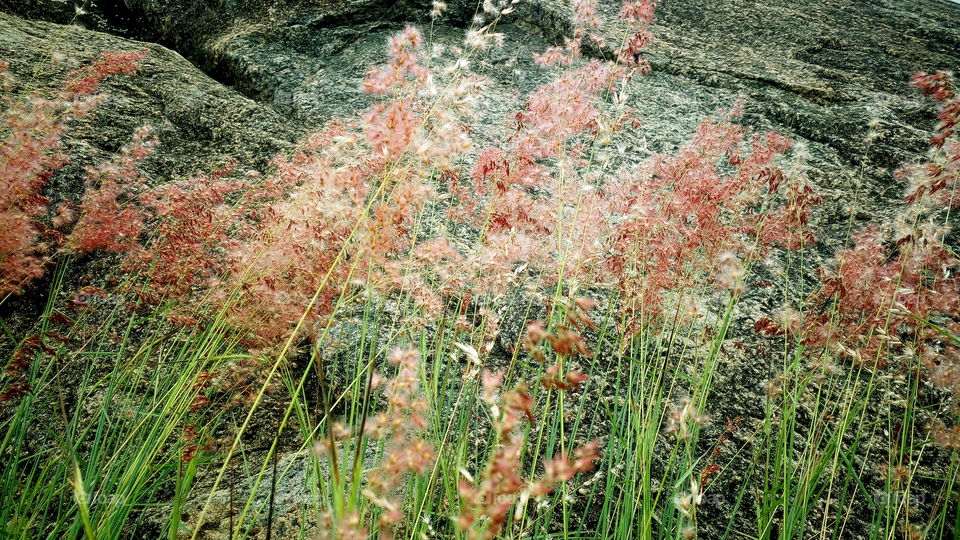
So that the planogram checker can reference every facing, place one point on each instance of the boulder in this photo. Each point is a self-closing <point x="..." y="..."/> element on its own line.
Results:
<point x="258" y="74"/>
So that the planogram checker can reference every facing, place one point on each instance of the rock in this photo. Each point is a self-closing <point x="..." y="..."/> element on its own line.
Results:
<point x="110" y="16"/>
<point x="818" y="72"/>
<point x="201" y="124"/>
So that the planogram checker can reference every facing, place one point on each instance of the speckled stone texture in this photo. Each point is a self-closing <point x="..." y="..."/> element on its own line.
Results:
<point x="255" y="75"/>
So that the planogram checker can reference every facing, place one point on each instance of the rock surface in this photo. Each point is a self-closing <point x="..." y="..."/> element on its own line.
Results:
<point x="265" y="72"/>
<point x="201" y="123"/>
<point x="817" y="72"/>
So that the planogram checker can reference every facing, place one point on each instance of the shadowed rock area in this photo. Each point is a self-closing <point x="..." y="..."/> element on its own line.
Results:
<point x="244" y="79"/>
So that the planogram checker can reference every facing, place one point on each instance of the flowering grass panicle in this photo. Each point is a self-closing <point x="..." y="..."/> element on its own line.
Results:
<point x="698" y="216"/>
<point x="486" y="502"/>
<point x="17" y="371"/>
<point x="343" y="243"/>
<point x="109" y="217"/>
<point x="86" y="80"/>
<point x="30" y="154"/>
<point x="342" y="210"/>
<point x="915" y="287"/>
<point x="403" y="424"/>
<point x="565" y="342"/>
<point x="522" y="192"/>
<point x="936" y="181"/>
<point x="345" y="204"/>
<point x="190" y="220"/>
<point x="639" y="15"/>
<point x="402" y="66"/>
<point x="891" y="297"/>
<point x="894" y="293"/>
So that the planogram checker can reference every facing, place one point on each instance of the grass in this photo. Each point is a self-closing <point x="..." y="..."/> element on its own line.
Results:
<point x="113" y="441"/>
<point x="96" y="449"/>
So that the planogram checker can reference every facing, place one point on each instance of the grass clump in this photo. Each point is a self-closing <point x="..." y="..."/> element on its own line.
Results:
<point x="336" y="327"/>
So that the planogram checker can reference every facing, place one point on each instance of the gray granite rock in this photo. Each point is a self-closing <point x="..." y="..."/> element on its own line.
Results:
<point x="201" y="123"/>
<point x="818" y="71"/>
<point x="268" y="71"/>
